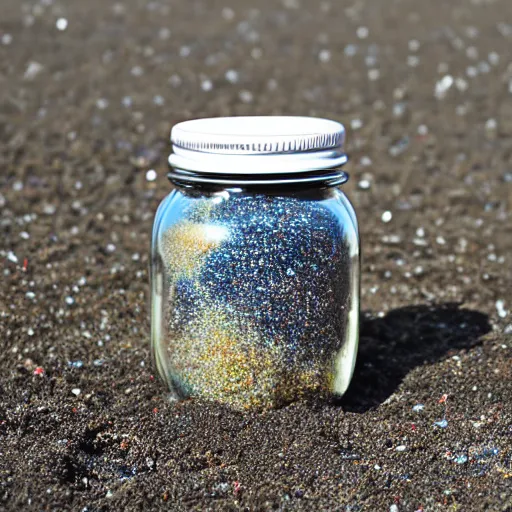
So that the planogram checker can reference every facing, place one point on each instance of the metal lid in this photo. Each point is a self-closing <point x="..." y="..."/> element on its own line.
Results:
<point x="247" y="146"/>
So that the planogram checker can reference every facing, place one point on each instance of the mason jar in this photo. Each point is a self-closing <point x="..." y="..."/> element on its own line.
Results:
<point x="255" y="263"/>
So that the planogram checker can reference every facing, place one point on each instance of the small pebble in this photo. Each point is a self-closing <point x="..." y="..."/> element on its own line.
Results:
<point x="12" y="257"/>
<point x="33" y="69"/>
<point x="362" y="32"/>
<point x="102" y="103"/>
<point x="76" y="391"/>
<point x="206" y="85"/>
<point x="228" y="14"/>
<point x="324" y="56"/>
<point x="151" y="175"/>
<point x="246" y="96"/>
<point x="443" y="86"/>
<point x="356" y="124"/>
<point x="232" y="76"/>
<point x="61" y="24"/>
<point x="386" y="216"/>
<point x="500" y="308"/>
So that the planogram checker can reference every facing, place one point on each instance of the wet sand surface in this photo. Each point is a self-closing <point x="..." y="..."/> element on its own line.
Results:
<point x="88" y="94"/>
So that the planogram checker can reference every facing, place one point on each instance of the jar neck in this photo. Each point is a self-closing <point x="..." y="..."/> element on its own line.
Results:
<point x="303" y="179"/>
<point x="316" y="192"/>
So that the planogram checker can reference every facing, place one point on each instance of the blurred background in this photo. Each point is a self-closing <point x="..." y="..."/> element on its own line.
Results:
<point x="88" y="94"/>
<point x="91" y="89"/>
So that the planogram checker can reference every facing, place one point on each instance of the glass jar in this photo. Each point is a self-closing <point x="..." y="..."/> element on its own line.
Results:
<point x="255" y="263"/>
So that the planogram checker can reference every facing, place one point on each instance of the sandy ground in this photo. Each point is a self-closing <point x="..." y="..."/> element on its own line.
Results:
<point x="88" y="94"/>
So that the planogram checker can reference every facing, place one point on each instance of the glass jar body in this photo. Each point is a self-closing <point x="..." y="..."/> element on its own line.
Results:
<point x="255" y="294"/>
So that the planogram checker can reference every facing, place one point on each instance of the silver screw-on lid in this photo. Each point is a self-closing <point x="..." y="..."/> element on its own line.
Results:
<point x="258" y="135"/>
<point x="245" y="146"/>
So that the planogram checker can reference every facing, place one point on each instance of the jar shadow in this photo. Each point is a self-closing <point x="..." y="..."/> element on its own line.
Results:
<point x="391" y="346"/>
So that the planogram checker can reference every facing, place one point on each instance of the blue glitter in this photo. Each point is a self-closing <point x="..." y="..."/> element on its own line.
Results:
<point x="293" y="236"/>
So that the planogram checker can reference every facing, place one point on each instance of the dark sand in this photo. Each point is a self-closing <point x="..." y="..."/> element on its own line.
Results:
<point x="83" y="423"/>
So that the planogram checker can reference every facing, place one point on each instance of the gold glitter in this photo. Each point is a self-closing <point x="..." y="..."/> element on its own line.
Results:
<point x="223" y="362"/>
<point x="185" y="246"/>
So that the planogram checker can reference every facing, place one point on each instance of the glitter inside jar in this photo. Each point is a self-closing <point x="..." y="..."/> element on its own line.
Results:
<point x="255" y="263"/>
